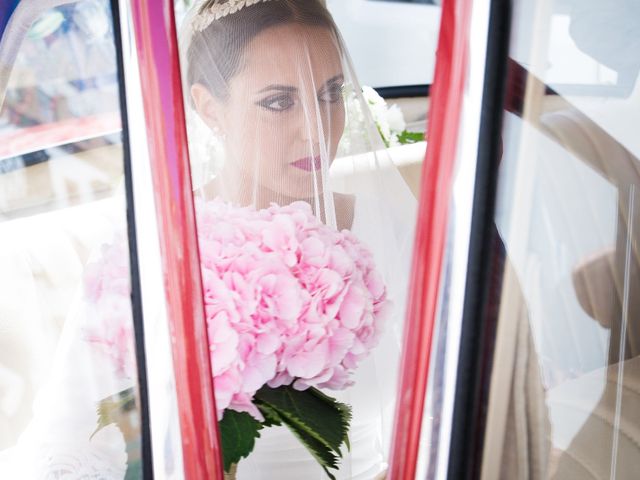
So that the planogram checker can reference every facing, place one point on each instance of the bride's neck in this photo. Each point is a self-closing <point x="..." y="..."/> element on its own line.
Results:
<point x="262" y="197"/>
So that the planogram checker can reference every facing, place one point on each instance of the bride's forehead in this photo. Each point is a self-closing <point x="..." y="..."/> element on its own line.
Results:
<point x="293" y="49"/>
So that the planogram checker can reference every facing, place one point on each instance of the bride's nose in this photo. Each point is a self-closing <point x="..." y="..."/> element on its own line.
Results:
<point x="313" y="123"/>
<point x="311" y="131"/>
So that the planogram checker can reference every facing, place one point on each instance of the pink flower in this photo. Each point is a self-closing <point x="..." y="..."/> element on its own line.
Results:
<point x="305" y="299"/>
<point x="288" y="301"/>
<point x="107" y="289"/>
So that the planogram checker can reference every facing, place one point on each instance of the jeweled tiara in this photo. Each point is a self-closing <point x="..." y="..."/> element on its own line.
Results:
<point x="211" y="10"/>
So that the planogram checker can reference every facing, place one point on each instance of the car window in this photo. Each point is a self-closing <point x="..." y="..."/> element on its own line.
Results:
<point x="579" y="58"/>
<point x="69" y="402"/>
<point x="563" y="398"/>
<point x="60" y="116"/>
<point x="392" y="43"/>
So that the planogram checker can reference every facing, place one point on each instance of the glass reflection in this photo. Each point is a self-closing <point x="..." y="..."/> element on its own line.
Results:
<point x="566" y="395"/>
<point x="68" y="383"/>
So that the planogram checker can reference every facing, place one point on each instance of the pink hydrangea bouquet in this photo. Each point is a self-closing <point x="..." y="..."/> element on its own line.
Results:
<point x="107" y="295"/>
<point x="292" y="306"/>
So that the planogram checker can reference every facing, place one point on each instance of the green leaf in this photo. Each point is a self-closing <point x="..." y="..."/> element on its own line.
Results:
<point x="407" y="137"/>
<point x="321" y="415"/>
<point x="384" y="139"/>
<point x="134" y="470"/>
<point x="319" y="421"/>
<point x="238" y="431"/>
<point x="323" y="454"/>
<point x="271" y="417"/>
<point x="111" y="409"/>
<point x="343" y="410"/>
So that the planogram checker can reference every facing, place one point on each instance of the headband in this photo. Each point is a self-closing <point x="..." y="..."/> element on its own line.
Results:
<point x="216" y="9"/>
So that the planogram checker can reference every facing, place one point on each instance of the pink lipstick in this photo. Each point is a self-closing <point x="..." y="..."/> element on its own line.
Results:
<point x="308" y="163"/>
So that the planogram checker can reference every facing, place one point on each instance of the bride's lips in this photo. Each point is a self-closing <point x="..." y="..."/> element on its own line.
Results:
<point x="308" y="163"/>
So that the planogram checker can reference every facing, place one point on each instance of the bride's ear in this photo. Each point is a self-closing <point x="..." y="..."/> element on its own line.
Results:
<point x="207" y="106"/>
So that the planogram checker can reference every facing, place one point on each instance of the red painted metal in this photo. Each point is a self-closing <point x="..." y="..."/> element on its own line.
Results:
<point x="437" y="180"/>
<point x="164" y="112"/>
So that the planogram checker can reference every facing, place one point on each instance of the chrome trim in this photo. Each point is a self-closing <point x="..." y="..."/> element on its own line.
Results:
<point x="453" y="289"/>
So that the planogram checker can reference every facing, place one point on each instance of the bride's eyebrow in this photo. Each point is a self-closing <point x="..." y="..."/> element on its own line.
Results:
<point x="292" y="89"/>
<point x="336" y="79"/>
<point x="332" y="81"/>
<point x="280" y="88"/>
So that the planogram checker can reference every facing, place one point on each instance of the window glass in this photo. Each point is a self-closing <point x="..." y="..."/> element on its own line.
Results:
<point x="60" y="112"/>
<point x="577" y="60"/>
<point x="392" y="43"/>
<point x="564" y="401"/>
<point x="68" y="381"/>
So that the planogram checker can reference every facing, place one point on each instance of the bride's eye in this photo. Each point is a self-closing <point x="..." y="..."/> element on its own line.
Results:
<point x="277" y="103"/>
<point x="331" y="94"/>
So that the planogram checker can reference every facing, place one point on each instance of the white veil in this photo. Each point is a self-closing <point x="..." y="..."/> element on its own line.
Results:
<point x="275" y="115"/>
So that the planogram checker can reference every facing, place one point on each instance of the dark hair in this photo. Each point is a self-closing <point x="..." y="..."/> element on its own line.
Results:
<point x="215" y="54"/>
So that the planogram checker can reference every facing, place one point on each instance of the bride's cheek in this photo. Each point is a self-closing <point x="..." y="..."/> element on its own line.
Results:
<point x="272" y="147"/>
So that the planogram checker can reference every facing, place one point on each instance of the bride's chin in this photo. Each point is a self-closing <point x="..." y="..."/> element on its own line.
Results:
<point x="298" y="186"/>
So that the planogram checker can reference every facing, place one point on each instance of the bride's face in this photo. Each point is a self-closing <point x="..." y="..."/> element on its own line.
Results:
<point x="284" y="115"/>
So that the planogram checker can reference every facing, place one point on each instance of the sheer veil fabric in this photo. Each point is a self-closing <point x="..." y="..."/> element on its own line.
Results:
<point x="275" y="115"/>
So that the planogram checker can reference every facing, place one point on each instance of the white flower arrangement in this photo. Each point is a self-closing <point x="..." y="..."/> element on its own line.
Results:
<point x="389" y="120"/>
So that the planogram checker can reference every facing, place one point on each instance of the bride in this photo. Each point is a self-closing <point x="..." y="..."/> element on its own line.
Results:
<point x="276" y="115"/>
